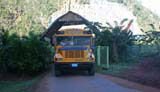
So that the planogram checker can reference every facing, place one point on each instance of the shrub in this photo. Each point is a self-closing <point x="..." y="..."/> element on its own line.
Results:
<point x="24" y="55"/>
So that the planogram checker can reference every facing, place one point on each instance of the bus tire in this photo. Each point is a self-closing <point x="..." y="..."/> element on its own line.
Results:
<point x="91" y="71"/>
<point x="57" y="73"/>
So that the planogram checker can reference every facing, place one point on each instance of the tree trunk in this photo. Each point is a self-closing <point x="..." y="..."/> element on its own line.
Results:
<point x="115" y="53"/>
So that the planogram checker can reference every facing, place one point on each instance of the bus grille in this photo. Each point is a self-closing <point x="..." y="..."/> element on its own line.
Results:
<point x="74" y="54"/>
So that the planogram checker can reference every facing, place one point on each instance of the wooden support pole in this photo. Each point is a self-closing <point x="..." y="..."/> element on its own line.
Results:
<point x="107" y="56"/>
<point x="99" y="55"/>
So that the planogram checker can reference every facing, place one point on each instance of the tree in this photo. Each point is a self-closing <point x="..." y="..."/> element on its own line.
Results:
<point x="151" y="37"/>
<point x="116" y="37"/>
<point x="22" y="17"/>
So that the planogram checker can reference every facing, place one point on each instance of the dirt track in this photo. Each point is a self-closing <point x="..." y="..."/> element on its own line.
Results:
<point x="80" y="82"/>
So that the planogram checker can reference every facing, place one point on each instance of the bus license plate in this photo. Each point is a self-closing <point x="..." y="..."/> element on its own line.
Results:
<point x="74" y="65"/>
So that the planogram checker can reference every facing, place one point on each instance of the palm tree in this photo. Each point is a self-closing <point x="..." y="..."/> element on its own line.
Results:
<point x="152" y="37"/>
<point x="118" y="37"/>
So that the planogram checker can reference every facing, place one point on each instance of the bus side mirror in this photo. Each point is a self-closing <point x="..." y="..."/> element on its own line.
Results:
<point x="48" y="40"/>
<point x="52" y="43"/>
<point x="93" y="42"/>
<point x="93" y="47"/>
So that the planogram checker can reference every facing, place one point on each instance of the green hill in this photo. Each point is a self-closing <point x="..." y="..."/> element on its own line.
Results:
<point x="23" y="16"/>
<point x="144" y="16"/>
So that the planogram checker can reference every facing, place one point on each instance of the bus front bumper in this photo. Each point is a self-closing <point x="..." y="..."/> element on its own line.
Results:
<point x="74" y="65"/>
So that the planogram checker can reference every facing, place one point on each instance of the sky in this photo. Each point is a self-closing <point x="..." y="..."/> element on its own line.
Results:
<point x="153" y="5"/>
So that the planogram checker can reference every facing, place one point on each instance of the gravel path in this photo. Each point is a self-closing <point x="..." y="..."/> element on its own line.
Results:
<point x="80" y="83"/>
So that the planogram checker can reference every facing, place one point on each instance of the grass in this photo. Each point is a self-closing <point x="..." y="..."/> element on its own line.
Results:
<point x="18" y="86"/>
<point x="117" y="69"/>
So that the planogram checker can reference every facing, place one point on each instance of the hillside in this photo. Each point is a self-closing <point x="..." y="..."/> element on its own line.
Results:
<point x="144" y="15"/>
<point x="110" y="11"/>
<point x="154" y="6"/>
<point x="21" y="17"/>
<point x="99" y="11"/>
<point x="15" y="14"/>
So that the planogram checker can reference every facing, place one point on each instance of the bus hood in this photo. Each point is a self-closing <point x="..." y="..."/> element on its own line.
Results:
<point x="74" y="48"/>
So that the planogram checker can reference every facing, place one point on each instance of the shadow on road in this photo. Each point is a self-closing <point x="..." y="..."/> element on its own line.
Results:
<point x="71" y="72"/>
<point x="77" y="81"/>
<point x="74" y="73"/>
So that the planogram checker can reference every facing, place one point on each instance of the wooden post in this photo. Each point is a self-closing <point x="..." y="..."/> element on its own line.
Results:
<point x="107" y="56"/>
<point x="99" y="55"/>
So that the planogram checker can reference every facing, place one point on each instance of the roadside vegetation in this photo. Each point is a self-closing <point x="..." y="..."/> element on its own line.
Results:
<point x="22" y="55"/>
<point x="19" y="86"/>
<point x="140" y="62"/>
<point x="132" y="57"/>
<point x="117" y="37"/>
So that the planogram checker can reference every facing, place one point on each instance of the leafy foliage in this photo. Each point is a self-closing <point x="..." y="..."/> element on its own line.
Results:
<point x="22" y="17"/>
<point x="117" y="38"/>
<point x="119" y="1"/>
<point x="84" y="1"/>
<point x="21" y="51"/>
<point x="151" y="37"/>
<point x="26" y="55"/>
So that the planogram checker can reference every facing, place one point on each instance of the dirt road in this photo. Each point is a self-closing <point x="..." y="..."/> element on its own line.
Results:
<point x="80" y="83"/>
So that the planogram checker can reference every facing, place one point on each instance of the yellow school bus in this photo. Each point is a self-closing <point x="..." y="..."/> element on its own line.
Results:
<point x="74" y="50"/>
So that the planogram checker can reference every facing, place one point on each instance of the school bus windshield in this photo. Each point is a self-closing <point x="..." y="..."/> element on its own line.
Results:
<point x="73" y="40"/>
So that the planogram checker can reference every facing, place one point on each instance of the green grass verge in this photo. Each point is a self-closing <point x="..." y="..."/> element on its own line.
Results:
<point x="117" y="69"/>
<point x="18" y="86"/>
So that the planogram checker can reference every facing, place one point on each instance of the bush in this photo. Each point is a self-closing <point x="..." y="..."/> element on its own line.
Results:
<point x="24" y="55"/>
<point x="117" y="37"/>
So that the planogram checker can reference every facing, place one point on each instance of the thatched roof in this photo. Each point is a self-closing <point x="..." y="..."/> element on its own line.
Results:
<point x="70" y="18"/>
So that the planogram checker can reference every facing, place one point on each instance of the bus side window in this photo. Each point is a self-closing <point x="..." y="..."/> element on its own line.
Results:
<point x="93" y="42"/>
<point x="53" y="41"/>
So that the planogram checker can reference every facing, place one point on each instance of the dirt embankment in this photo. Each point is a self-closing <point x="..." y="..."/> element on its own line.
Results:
<point x="146" y="72"/>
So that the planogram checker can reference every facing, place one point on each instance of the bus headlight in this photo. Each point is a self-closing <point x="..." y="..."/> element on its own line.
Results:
<point x="91" y="57"/>
<point x="58" y="57"/>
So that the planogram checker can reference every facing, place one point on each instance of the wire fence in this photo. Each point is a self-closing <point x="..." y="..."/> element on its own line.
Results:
<point x="133" y="52"/>
<point x="142" y="50"/>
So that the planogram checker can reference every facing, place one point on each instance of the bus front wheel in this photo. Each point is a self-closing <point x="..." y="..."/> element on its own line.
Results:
<point x="57" y="71"/>
<point x="91" y="71"/>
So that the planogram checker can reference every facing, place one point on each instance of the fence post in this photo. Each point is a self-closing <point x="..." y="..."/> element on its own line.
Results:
<point x="99" y="55"/>
<point x="107" y="56"/>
